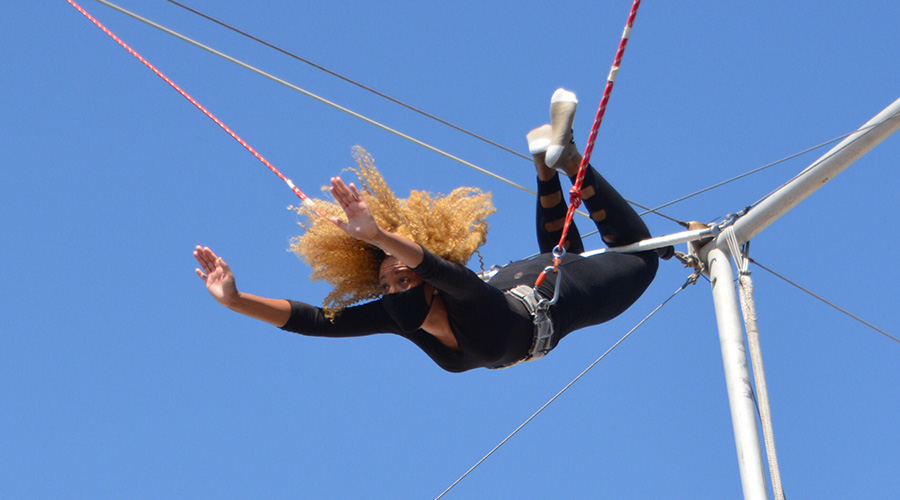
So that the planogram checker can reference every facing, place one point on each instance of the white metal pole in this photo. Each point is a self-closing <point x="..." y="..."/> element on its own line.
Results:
<point x="728" y="317"/>
<point x="737" y="375"/>
<point x="823" y="170"/>
<point x="734" y="357"/>
<point x="659" y="241"/>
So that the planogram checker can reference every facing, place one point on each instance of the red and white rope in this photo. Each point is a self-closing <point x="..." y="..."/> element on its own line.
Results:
<point x="306" y="200"/>
<point x="575" y="192"/>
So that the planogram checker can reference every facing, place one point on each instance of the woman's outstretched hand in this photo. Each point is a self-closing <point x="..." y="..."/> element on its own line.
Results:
<point x="217" y="275"/>
<point x="220" y="284"/>
<point x="362" y="226"/>
<point x="360" y="223"/>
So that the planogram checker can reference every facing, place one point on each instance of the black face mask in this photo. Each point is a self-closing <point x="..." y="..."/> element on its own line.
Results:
<point x="408" y="308"/>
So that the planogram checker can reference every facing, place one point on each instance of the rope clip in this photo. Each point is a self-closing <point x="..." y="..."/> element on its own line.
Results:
<point x="543" y="302"/>
<point x="692" y="279"/>
<point x="731" y="218"/>
<point x="558" y="253"/>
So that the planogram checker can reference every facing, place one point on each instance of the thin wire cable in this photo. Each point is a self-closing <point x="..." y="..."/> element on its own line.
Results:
<point x="647" y="210"/>
<point x="838" y="308"/>
<point x="348" y="80"/>
<point x="356" y="115"/>
<point x="314" y="96"/>
<point x="381" y="94"/>
<point x="748" y="173"/>
<point x="861" y="131"/>
<point x="335" y="74"/>
<point x="564" y="389"/>
<point x="420" y="143"/>
<point x="764" y="167"/>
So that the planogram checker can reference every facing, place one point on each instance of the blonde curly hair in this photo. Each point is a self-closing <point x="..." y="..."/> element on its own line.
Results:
<point x="452" y="227"/>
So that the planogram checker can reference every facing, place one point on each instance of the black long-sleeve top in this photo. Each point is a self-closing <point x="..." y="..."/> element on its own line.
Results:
<point x="491" y="328"/>
<point x="494" y="329"/>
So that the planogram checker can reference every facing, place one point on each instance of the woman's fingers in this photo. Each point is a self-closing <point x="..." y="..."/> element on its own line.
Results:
<point x="221" y="264"/>
<point x="198" y="254"/>
<point x="207" y="260"/>
<point x="339" y="190"/>
<point x="208" y="254"/>
<point x="345" y="195"/>
<point x="360" y="224"/>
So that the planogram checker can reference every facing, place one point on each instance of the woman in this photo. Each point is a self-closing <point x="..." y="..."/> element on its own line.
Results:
<point x="456" y="318"/>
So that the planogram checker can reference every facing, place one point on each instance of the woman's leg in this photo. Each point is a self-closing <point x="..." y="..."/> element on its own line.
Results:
<point x="617" y="222"/>
<point x="599" y="288"/>
<point x="551" y="206"/>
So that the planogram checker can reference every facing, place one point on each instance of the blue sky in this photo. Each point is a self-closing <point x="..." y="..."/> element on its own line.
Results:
<point x="121" y="378"/>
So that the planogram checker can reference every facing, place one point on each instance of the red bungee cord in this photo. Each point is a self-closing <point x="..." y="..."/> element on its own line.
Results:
<point x="575" y="192"/>
<point x="306" y="200"/>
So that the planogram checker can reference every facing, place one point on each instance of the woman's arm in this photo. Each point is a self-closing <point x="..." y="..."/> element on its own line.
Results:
<point x="453" y="278"/>
<point x="361" y="225"/>
<point x="220" y="283"/>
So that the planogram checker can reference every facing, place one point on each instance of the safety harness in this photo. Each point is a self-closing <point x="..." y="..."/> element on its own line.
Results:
<point x="539" y="308"/>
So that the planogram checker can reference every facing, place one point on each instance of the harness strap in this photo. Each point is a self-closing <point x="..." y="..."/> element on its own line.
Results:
<point x="539" y="308"/>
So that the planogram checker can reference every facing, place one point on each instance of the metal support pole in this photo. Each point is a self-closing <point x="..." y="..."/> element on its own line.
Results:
<point x="821" y="171"/>
<point x="715" y="253"/>
<point x="737" y="375"/>
<point x="659" y="241"/>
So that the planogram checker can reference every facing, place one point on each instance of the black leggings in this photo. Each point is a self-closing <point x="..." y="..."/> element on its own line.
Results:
<point x="596" y="289"/>
<point x="617" y="222"/>
<point x="593" y="289"/>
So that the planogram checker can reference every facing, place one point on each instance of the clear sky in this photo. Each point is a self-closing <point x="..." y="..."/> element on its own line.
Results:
<point x="121" y="378"/>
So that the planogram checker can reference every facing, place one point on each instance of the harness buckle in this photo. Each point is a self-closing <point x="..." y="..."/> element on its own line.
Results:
<point x="539" y="307"/>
